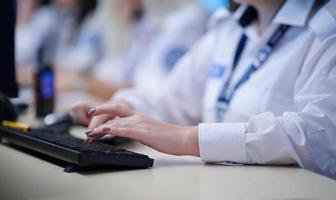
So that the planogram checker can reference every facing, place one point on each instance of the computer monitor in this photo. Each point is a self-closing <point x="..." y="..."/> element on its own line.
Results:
<point x="8" y="85"/>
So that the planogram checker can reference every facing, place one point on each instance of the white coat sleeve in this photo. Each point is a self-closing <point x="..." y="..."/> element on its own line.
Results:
<point x="306" y="137"/>
<point x="178" y="98"/>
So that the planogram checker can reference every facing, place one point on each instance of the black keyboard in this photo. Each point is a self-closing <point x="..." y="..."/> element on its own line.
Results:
<point x="65" y="147"/>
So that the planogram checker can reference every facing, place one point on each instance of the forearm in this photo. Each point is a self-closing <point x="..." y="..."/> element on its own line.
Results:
<point x="191" y="144"/>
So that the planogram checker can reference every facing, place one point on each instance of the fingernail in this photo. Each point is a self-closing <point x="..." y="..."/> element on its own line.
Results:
<point x="92" y="111"/>
<point x="91" y="133"/>
<point x="88" y="132"/>
<point x="106" y="129"/>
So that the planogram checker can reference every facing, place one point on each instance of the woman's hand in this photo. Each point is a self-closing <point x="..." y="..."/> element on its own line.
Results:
<point x="91" y="117"/>
<point x="79" y="114"/>
<point x="166" y="138"/>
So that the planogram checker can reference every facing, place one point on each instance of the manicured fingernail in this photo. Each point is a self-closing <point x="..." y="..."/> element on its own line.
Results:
<point x="91" y="133"/>
<point x="88" y="132"/>
<point x="92" y="111"/>
<point x="106" y="129"/>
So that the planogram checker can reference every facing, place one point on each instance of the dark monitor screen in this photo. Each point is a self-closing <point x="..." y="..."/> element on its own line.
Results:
<point x="8" y="85"/>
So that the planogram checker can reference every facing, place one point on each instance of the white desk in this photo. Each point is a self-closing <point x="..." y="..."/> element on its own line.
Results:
<point x="23" y="176"/>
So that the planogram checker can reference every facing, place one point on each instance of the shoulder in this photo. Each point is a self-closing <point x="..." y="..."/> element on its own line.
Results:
<point x="188" y="16"/>
<point x="219" y="17"/>
<point x="323" y="26"/>
<point x="44" y="21"/>
<point x="323" y="23"/>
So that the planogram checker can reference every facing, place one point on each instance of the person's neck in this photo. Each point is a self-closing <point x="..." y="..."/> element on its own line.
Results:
<point x="266" y="10"/>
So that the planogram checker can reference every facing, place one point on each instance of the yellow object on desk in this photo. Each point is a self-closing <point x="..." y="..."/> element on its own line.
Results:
<point x="16" y="125"/>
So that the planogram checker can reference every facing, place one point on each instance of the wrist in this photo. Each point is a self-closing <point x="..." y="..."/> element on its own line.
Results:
<point x="191" y="141"/>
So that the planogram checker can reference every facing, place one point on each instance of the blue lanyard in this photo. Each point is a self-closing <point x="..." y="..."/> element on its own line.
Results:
<point x="239" y="50"/>
<point x="261" y="57"/>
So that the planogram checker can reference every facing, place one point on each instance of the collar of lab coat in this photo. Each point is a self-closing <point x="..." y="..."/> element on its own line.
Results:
<point x="218" y="17"/>
<point x="323" y="23"/>
<point x="292" y="12"/>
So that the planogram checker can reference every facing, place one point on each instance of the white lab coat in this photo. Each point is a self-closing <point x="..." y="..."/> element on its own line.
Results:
<point x="119" y="66"/>
<point x="78" y="49"/>
<point x="285" y="113"/>
<point x="30" y="36"/>
<point x="179" y="31"/>
<point x="153" y="50"/>
<point x="54" y="29"/>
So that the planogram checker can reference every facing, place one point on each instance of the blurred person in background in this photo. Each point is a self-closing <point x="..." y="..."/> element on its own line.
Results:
<point x="121" y="43"/>
<point x="30" y="30"/>
<point x="129" y="29"/>
<point x="153" y="49"/>
<point x="63" y="27"/>
<point x="85" y="32"/>
<point x="180" y="30"/>
<point x="123" y="24"/>
<point x="79" y="43"/>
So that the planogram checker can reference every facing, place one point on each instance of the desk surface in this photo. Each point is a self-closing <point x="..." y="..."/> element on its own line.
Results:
<point x="23" y="176"/>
